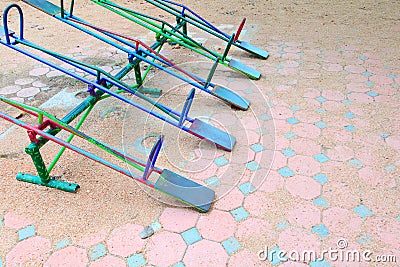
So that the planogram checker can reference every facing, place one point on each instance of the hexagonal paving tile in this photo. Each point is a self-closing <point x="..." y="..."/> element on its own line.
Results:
<point x="209" y="225"/>
<point x="165" y="249"/>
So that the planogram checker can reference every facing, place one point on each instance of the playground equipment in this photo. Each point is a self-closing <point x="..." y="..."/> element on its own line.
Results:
<point x="177" y="34"/>
<point x="168" y="182"/>
<point x="131" y="47"/>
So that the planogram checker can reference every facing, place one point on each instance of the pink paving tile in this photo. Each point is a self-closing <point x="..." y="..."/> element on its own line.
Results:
<point x="333" y="67"/>
<point x="342" y="221"/>
<point x="253" y="228"/>
<point x="29" y="252"/>
<point x="293" y="264"/>
<point x="384" y="229"/>
<point x="225" y="118"/>
<point x="108" y="261"/>
<point x="230" y="201"/>
<point x="12" y="89"/>
<point x="279" y="112"/>
<point x="393" y="141"/>
<point x="332" y="105"/>
<point x="15" y="221"/>
<point x="290" y="64"/>
<point x="333" y="95"/>
<point x="291" y="56"/>
<point x="303" y="186"/>
<point x="165" y="249"/>
<point x="340" y="153"/>
<point x="250" y="122"/>
<point x="39" y="71"/>
<point x="24" y="81"/>
<point x="357" y="87"/>
<point x="360" y="98"/>
<point x="357" y="78"/>
<point x="93" y="239"/>
<point x="279" y="162"/>
<point x="273" y="182"/>
<point x="307" y="116"/>
<point x="28" y="92"/>
<point x="178" y="219"/>
<point x="257" y="203"/>
<point x="217" y="225"/>
<point x="304" y="165"/>
<point x="299" y="240"/>
<point x="288" y="71"/>
<point x="205" y="174"/>
<point x="371" y="176"/>
<point x="304" y="215"/>
<point x="205" y="253"/>
<point x="354" y="69"/>
<point x="387" y="100"/>
<point x="385" y="90"/>
<point x="125" y="240"/>
<point x="307" y="130"/>
<point x="244" y="258"/>
<point x="381" y="79"/>
<point x="312" y="93"/>
<point x="69" y="256"/>
<point x="305" y="146"/>
<point x="340" y="136"/>
<point x="282" y="126"/>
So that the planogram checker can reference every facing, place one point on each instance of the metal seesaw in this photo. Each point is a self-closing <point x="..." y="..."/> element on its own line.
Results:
<point x="104" y="81"/>
<point x="184" y="17"/>
<point x="48" y="126"/>
<point x="131" y="47"/>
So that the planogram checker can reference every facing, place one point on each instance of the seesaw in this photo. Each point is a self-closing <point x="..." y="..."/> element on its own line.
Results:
<point x="103" y="81"/>
<point x="48" y="126"/>
<point x="177" y="34"/>
<point x="130" y="46"/>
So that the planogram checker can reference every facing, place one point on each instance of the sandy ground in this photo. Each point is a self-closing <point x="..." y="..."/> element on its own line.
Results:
<point x="107" y="199"/>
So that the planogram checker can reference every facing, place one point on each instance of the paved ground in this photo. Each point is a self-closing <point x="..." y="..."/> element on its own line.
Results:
<point x="316" y="169"/>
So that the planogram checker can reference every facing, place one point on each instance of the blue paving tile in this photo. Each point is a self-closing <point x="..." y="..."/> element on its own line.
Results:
<point x="372" y="93"/>
<point x="350" y="115"/>
<point x="257" y="148"/>
<point x="300" y="53"/>
<point x="26" y="232"/>
<point x="283" y="46"/>
<point x="240" y="214"/>
<point x="321" y="202"/>
<point x="221" y="161"/>
<point x="191" y="236"/>
<point x="282" y="52"/>
<point x="362" y="211"/>
<point x="385" y="135"/>
<point x="321" y="124"/>
<point x="179" y="264"/>
<point x="320" y="230"/>
<point x="369" y="83"/>
<point x="136" y="260"/>
<point x="278" y="67"/>
<point x="392" y="76"/>
<point x="389" y="167"/>
<point x="285" y="172"/>
<point x="213" y="181"/>
<point x="231" y="245"/>
<point x="1" y="263"/>
<point x="363" y="238"/>
<point x="363" y="58"/>
<point x="350" y="128"/>
<point x="367" y="74"/>
<point x="97" y="251"/>
<point x="356" y="163"/>
<point x="295" y="108"/>
<point x="292" y="120"/>
<point x="321" y="99"/>
<point x="265" y="117"/>
<point x="290" y="135"/>
<point x="300" y="60"/>
<point x="346" y="102"/>
<point x="321" y="111"/>
<point x="248" y="91"/>
<point x="398" y="218"/>
<point x="274" y="256"/>
<point x="321" y="178"/>
<point x="62" y="244"/>
<point x="246" y="188"/>
<point x="288" y="152"/>
<point x="252" y="166"/>
<point x="320" y="263"/>
<point x="1" y="222"/>
<point x="321" y="158"/>
<point x="282" y="225"/>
